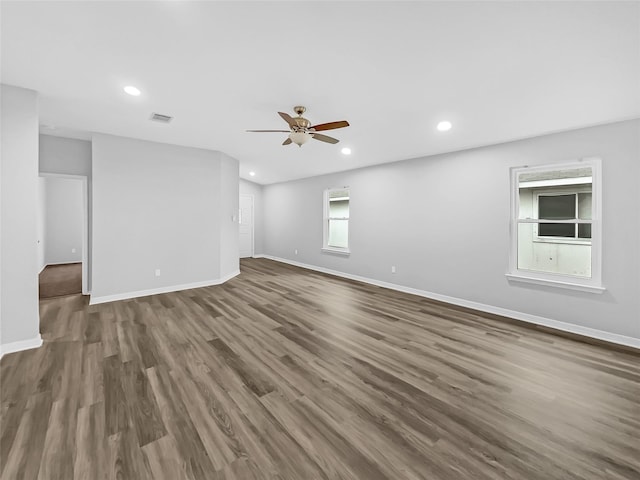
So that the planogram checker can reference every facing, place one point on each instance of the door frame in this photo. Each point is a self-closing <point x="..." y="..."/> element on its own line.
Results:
<point x="253" y="228"/>
<point x="85" y="222"/>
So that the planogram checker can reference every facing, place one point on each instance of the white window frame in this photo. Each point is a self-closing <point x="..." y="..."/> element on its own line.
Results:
<point x="592" y="284"/>
<point x="325" y="219"/>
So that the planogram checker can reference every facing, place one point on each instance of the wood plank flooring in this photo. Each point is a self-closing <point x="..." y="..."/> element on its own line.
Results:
<point x="284" y="373"/>
<point x="59" y="280"/>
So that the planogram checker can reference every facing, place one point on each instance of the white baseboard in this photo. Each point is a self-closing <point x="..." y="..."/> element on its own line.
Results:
<point x="525" y="317"/>
<point x="156" y="291"/>
<point x="228" y="277"/>
<point x="12" y="347"/>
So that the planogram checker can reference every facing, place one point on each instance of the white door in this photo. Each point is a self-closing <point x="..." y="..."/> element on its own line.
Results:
<point x="246" y="226"/>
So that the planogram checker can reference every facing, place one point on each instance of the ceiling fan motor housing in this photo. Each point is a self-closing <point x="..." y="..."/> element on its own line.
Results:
<point x="302" y="124"/>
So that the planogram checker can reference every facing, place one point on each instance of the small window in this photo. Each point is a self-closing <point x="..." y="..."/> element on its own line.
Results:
<point x="336" y="220"/>
<point x="556" y="225"/>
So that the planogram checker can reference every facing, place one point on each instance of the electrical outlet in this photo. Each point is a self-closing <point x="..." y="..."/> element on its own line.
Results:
<point x="295" y="251"/>
<point x="73" y="250"/>
<point x="393" y="269"/>
<point x="157" y="272"/>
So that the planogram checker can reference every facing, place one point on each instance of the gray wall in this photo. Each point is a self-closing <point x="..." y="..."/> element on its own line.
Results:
<point x="443" y="221"/>
<point x="19" y="312"/>
<point x="250" y="188"/>
<point x="68" y="156"/>
<point x="159" y="206"/>
<point x="229" y="227"/>
<point x="64" y="223"/>
<point x="65" y="155"/>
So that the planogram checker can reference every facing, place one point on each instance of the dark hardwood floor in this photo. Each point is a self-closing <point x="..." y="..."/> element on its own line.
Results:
<point x="284" y="373"/>
<point x="59" y="280"/>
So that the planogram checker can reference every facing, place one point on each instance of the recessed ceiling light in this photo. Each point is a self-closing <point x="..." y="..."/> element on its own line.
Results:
<point x="131" y="90"/>
<point x="346" y="151"/>
<point x="253" y="174"/>
<point x="444" y="126"/>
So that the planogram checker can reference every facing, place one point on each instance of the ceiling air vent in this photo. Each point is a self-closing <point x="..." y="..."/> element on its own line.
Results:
<point x="157" y="117"/>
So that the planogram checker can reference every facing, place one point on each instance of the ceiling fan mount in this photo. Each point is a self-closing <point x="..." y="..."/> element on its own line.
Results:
<point x="301" y="129"/>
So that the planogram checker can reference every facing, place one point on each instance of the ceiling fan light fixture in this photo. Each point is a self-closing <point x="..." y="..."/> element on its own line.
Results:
<point x="299" y="138"/>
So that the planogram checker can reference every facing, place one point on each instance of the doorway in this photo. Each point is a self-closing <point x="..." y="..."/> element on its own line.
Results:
<point x="246" y="226"/>
<point x="63" y="234"/>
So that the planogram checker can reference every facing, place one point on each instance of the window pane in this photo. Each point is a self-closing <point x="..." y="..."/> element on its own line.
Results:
<point x="547" y="184"/>
<point x="546" y="178"/>
<point x="339" y="208"/>
<point x="584" y="230"/>
<point x="338" y="233"/>
<point x="557" y="207"/>
<point x="338" y="194"/>
<point x="584" y="206"/>
<point x="561" y="258"/>
<point x="557" y="230"/>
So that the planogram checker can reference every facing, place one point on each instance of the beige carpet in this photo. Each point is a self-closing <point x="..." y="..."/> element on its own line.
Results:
<point x="58" y="280"/>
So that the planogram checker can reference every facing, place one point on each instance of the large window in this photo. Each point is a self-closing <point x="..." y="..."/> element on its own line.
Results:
<point x="336" y="220"/>
<point x="556" y="225"/>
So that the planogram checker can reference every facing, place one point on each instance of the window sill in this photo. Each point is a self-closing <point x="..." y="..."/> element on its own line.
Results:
<point x="336" y="251"/>
<point x="555" y="283"/>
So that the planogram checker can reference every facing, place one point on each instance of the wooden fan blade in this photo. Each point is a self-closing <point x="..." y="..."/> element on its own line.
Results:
<point x="324" y="138"/>
<point x="281" y="131"/>
<point x="287" y="118"/>
<point x="287" y="141"/>
<point x="331" y="125"/>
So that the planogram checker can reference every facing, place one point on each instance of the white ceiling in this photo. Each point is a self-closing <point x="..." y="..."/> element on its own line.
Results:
<point x="498" y="71"/>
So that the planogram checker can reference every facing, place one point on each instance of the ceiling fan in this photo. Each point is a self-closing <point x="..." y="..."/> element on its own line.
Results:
<point x="301" y="129"/>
